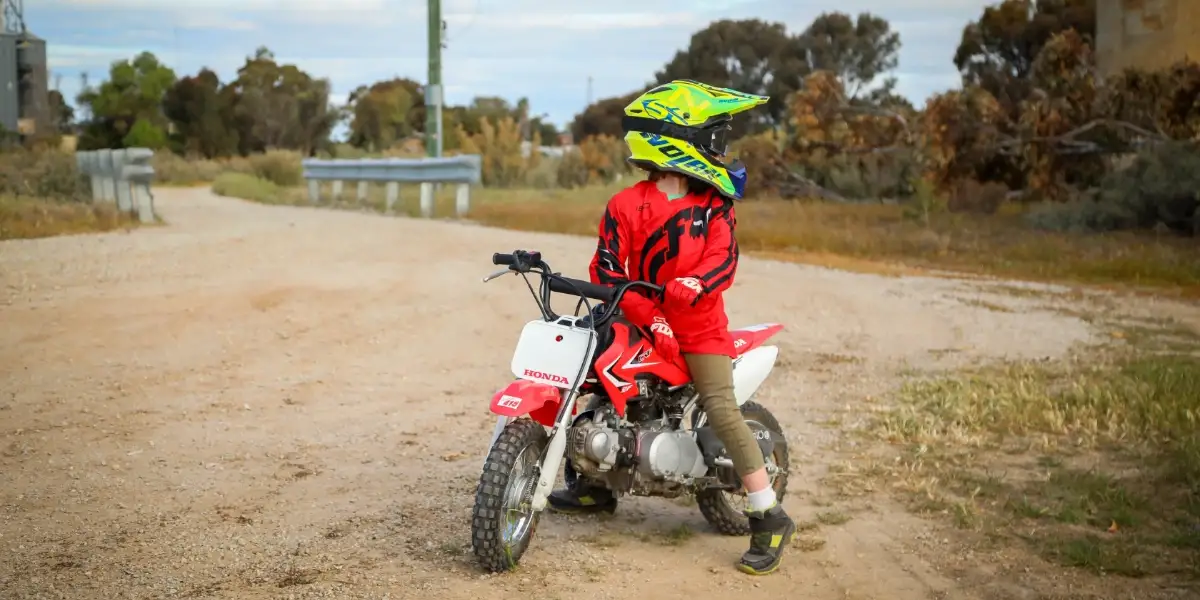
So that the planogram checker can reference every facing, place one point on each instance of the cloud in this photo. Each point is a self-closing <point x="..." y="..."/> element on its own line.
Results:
<point x="545" y="51"/>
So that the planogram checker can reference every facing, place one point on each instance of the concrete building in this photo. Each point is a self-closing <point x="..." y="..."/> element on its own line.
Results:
<point x="1148" y="34"/>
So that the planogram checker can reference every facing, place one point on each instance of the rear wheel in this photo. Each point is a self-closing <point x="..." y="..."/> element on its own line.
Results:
<point x="723" y="509"/>
<point x="503" y="521"/>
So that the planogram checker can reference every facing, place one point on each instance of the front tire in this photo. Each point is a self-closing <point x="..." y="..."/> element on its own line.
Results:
<point x="504" y="490"/>
<point x="717" y="506"/>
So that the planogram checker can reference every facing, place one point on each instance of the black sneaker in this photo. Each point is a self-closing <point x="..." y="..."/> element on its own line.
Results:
<point x="581" y="500"/>
<point x="770" y="532"/>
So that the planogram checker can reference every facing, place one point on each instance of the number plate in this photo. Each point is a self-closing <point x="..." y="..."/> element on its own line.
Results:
<point x="552" y="353"/>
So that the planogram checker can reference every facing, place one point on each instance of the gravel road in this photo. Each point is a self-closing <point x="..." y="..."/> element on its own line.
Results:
<point x="279" y="402"/>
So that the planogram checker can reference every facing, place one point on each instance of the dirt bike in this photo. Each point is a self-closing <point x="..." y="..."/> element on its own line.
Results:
<point x="641" y="433"/>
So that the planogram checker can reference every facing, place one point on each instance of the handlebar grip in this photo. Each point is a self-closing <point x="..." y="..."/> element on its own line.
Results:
<point x="602" y="293"/>
<point x="500" y="258"/>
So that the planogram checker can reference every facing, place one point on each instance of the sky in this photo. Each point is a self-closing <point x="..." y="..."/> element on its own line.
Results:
<point x="544" y="50"/>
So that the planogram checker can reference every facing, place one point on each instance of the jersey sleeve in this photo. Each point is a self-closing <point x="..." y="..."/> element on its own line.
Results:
<point x="720" y="258"/>
<point x="608" y="263"/>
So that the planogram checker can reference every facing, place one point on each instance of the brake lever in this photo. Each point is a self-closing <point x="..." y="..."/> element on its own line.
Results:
<point x="499" y="273"/>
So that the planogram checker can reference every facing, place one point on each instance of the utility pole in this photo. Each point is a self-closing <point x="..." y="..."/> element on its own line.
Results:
<point x="589" y="96"/>
<point x="433" y="88"/>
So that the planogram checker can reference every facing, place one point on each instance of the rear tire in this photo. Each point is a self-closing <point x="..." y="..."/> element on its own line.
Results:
<point x="715" y="504"/>
<point x="507" y="480"/>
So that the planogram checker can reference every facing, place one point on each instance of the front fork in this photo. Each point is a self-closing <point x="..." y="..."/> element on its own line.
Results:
<point x="548" y="469"/>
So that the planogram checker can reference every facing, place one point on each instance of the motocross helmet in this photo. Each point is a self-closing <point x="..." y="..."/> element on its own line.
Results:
<point x="683" y="126"/>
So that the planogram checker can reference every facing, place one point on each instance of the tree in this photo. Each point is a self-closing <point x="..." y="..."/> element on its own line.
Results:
<point x="203" y="117"/>
<point x="997" y="51"/>
<point x="280" y="106"/>
<point x="62" y="116"/>
<point x="385" y="113"/>
<point x="133" y="92"/>
<point x="493" y="108"/>
<point x="857" y="51"/>
<point x="749" y="55"/>
<point x="602" y="117"/>
<point x="1064" y="98"/>
<point x="545" y="131"/>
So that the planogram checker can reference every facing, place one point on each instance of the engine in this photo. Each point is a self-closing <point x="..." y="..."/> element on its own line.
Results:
<point x="644" y="458"/>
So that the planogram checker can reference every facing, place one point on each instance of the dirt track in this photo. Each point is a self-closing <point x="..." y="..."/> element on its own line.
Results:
<point x="272" y="402"/>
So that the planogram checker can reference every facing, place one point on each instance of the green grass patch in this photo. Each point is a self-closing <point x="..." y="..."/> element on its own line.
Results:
<point x="1092" y="463"/>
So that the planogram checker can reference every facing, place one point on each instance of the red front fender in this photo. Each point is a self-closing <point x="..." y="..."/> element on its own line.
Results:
<point x="523" y="397"/>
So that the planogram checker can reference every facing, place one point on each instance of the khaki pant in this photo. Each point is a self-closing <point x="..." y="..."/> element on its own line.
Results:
<point x="713" y="377"/>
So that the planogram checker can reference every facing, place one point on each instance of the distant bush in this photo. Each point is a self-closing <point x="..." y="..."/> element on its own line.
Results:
<point x="1160" y="189"/>
<point x="249" y="187"/>
<point x="598" y="160"/>
<point x="281" y="167"/>
<point x="970" y="196"/>
<point x="44" y="174"/>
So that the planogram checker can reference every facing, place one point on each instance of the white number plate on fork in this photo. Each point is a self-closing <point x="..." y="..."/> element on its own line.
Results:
<point x="552" y="353"/>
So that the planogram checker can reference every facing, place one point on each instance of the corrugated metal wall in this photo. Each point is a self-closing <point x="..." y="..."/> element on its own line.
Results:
<point x="34" y="87"/>
<point x="9" y="105"/>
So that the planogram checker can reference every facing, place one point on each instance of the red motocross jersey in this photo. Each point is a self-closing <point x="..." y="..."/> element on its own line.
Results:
<point x="644" y="236"/>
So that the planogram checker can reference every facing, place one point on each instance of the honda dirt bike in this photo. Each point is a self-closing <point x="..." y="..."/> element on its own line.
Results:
<point x="641" y="432"/>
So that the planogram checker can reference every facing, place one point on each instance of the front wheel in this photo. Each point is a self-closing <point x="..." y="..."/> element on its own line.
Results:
<point x="503" y="521"/>
<point x="723" y="509"/>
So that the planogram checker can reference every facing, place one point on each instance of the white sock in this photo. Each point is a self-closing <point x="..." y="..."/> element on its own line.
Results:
<point x="762" y="499"/>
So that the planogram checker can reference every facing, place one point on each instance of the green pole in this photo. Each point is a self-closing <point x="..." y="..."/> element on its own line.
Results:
<point x="433" y="91"/>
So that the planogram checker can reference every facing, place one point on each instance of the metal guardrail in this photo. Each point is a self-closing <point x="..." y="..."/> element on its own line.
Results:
<point x="463" y="170"/>
<point x="122" y="176"/>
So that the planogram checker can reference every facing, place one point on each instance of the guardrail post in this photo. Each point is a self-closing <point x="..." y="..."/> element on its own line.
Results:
<point x="426" y="200"/>
<point x="135" y="178"/>
<point x="393" y="194"/>
<point x="462" y="199"/>
<point x="120" y="185"/>
<point x="314" y="191"/>
<point x="337" y="190"/>
<point x="104" y="170"/>
<point x="362" y="191"/>
<point x="87" y="161"/>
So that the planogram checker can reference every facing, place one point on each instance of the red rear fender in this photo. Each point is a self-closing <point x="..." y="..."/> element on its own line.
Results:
<point x="523" y="397"/>
<point x="746" y="339"/>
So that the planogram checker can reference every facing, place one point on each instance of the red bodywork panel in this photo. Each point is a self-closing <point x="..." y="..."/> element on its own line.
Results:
<point x="749" y="338"/>
<point x="523" y="397"/>
<point x="630" y="354"/>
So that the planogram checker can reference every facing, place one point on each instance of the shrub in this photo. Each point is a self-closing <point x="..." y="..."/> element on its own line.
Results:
<point x="26" y="218"/>
<point x="45" y="174"/>
<point x="572" y="171"/>
<point x="970" y="196"/>
<point x="281" y="167"/>
<point x="248" y="187"/>
<point x="1162" y="186"/>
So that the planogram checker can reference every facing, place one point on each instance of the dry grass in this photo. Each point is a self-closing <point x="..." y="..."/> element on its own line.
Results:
<point x="875" y="238"/>
<point x="26" y="218"/>
<point x="1094" y="463"/>
<point x="278" y="166"/>
<point x="886" y="239"/>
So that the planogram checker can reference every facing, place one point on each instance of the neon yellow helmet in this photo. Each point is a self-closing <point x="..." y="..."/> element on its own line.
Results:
<point x="683" y="126"/>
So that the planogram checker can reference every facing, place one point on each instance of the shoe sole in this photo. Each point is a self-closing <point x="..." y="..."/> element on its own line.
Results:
<point x="788" y="539"/>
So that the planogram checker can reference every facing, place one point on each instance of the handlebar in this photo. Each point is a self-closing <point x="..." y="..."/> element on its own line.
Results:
<point x="602" y="293"/>
<point x="523" y="261"/>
